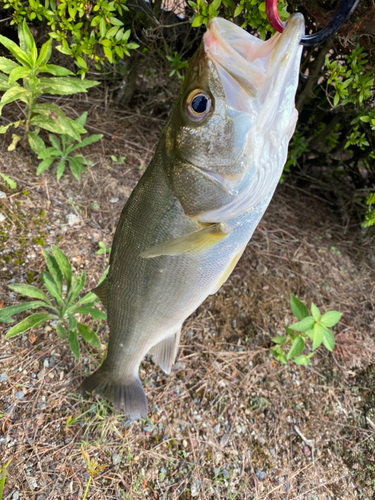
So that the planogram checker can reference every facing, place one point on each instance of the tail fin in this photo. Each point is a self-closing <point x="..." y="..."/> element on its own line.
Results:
<point x="129" y="394"/>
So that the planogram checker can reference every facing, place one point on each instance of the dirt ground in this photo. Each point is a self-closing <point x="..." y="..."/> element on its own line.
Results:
<point x="229" y="422"/>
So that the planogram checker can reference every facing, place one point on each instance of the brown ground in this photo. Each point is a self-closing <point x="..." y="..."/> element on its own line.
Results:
<point x="230" y="422"/>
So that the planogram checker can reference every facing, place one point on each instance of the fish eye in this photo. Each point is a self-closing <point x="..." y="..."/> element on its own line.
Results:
<point x="198" y="105"/>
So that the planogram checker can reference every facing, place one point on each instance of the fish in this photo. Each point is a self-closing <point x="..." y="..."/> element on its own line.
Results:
<point x="194" y="210"/>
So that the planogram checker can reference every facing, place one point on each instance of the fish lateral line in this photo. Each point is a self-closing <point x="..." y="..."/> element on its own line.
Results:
<point x="195" y="242"/>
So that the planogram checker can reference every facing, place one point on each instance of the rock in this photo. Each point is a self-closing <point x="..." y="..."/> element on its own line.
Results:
<point x="226" y="474"/>
<point x="116" y="459"/>
<point x="16" y="496"/>
<point x="3" y="377"/>
<point x="180" y="365"/>
<point x="261" y="476"/>
<point x="114" y="199"/>
<point x="224" y="440"/>
<point x="2" y="194"/>
<point x="216" y="471"/>
<point x="40" y="497"/>
<point x="32" y="482"/>
<point x="20" y="395"/>
<point x="216" y="428"/>
<point x="194" y="488"/>
<point x="2" y="217"/>
<point x="261" y="269"/>
<point x="72" y="219"/>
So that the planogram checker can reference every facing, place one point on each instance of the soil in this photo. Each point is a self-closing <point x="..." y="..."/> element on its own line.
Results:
<point x="230" y="421"/>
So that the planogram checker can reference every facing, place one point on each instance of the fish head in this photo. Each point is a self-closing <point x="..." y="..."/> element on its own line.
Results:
<point x="228" y="136"/>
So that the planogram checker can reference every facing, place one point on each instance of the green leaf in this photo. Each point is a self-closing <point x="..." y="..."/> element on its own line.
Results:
<point x="64" y="85"/>
<point x="112" y="32"/>
<point x="63" y="263"/>
<point x="44" y="54"/>
<point x="318" y="335"/>
<point x="14" y="93"/>
<point x="54" y="269"/>
<point x="238" y="10"/>
<point x="102" y="27"/>
<point x="30" y="291"/>
<point x="76" y="165"/>
<point x="15" y="140"/>
<point x="73" y="343"/>
<point x="281" y="339"/>
<point x="336" y="99"/>
<point x="43" y="165"/>
<point x="115" y="21"/>
<point x="61" y="332"/>
<point x="78" y="284"/>
<point x="81" y="120"/>
<point x="302" y="360"/>
<point x="331" y="318"/>
<point x="51" y="286"/>
<point x="315" y="312"/>
<point x="17" y="73"/>
<point x="52" y="118"/>
<point x="87" y="141"/>
<point x="55" y="142"/>
<point x="94" y="313"/>
<point x="198" y="21"/>
<point x="36" y="143"/>
<point x="306" y="324"/>
<point x="32" y="321"/>
<point x="55" y="70"/>
<point x="25" y="37"/>
<point x="298" y="308"/>
<point x="11" y="183"/>
<point x="7" y="312"/>
<point x="72" y="322"/>
<point x="19" y="54"/>
<point x="298" y="345"/>
<point x="89" y="335"/>
<point x="60" y="169"/>
<point x="328" y="339"/>
<point x="7" y="65"/>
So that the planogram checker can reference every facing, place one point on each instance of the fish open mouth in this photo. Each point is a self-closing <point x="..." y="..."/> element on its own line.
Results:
<point x="245" y="63"/>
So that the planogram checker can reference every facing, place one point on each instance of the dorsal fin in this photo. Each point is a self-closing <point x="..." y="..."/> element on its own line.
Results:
<point x="101" y="292"/>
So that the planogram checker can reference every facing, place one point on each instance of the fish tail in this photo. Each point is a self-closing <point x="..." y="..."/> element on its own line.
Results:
<point x="128" y="394"/>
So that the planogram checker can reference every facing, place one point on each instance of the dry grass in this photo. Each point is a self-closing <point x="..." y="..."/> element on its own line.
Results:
<point x="229" y="422"/>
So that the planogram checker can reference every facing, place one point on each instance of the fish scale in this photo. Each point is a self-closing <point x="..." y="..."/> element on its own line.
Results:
<point x="189" y="218"/>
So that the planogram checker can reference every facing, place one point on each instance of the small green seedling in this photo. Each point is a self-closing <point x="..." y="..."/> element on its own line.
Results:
<point x="315" y="327"/>
<point x="93" y="468"/>
<point x="177" y="65"/>
<point x="120" y="159"/>
<point x="3" y="476"/>
<point x="61" y="151"/>
<point x="10" y="182"/>
<point x="102" y="248"/>
<point x="59" y="304"/>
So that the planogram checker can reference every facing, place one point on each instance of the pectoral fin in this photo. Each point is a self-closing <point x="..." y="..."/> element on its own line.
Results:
<point x="164" y="353"/>
<point x="228" y="270"/>
<point x="196" y="242"/>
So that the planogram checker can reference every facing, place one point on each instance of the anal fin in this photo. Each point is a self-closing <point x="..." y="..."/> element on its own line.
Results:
<point x="195" y="242"/>
<point x="164" y="353"/>
<point x="101" y="292"/>
<point x="228" y="270"/>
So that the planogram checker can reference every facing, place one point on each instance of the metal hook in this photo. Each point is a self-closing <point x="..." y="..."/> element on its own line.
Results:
<point x="344" y="10"/>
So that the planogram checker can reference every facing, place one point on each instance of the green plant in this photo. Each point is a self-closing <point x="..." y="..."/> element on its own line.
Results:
<point x="93" y="469"/>
<point x="31" y="64"/>
<point x="61" y="151"/>
<point x="120" y="159"/>
<point x="84" y="31"/>
<point x="3" y="475"/>
<point x="177" y="65"/>
<point x="370" y="215"/>
<point x="315" y="327"/>
<point x="102" y="248"/>
<point x="10" y="182"/>
<point x="60" y="304"/>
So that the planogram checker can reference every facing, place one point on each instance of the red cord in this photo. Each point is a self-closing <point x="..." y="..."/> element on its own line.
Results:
<point x="273" y="16"/>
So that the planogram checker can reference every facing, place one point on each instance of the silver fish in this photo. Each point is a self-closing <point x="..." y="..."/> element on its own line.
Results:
<point x="191" y="215"/>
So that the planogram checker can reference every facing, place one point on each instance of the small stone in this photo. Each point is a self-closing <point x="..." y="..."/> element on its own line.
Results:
<point x="261" y="476"/>
<point x="216" y="471"/>
<point x="113" y="199"/>
<point x="2" y="194"/>
<point x="32" y="482"/>
<point x="216" y="428"/>
<point x="261" y="269"/>
<point x="40" y="497"/>
<point x="224" y="440"/>
<point x="72" y="219"/>
<point x="116" y="459"/>
<point x="46" y="363"/>
<point x="16" y="496"/>
<point x="189" y="334"/>
<point x="3" y="377"/>
<point x="194" y="488"/>
<point x="180" y="365"/>
<point x="20" y="395"/>
<point x="2" y="217"/>
<point x="226" y="474"/>
<point x="147" y="428"/>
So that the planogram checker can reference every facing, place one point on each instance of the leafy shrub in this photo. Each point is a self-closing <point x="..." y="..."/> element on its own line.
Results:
<point x="37" y="115"/>
<point x="61" y="151"/>
<point x="315" y="327"/>
<point x="59" y="304"/>
<point x="83" y="30"/>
